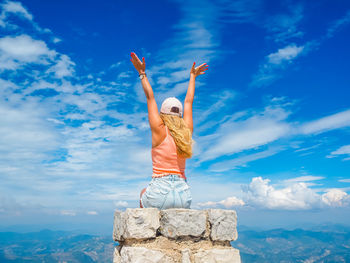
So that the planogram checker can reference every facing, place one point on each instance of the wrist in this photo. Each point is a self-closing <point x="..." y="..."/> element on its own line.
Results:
<point x="142" y="75"/>
<point x="192" y="75"/>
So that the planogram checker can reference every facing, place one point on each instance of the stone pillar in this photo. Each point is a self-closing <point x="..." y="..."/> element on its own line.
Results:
<point x="175" y="235"/>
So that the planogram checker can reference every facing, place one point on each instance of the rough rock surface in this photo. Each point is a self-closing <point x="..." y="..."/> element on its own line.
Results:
<point x="175" y="223"/>
<point x="223" y="224"/>
<point x="186" y="256"/>
<point x="230" y="255"/>
<point x="136" y="223"/>
<point x="119" y="224"/>
<point x="143" y="255"/>
<point x="116" y="255"/>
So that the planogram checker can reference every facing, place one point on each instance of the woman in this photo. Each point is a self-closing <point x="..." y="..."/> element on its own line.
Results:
<point x="171" y="143"/>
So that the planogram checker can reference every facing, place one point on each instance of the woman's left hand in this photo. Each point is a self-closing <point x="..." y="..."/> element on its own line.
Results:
<point x="139" y="66"/>
<point x="199" y="70"/>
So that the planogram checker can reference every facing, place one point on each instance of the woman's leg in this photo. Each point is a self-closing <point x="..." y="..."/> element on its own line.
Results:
<point x="142" y="191"/>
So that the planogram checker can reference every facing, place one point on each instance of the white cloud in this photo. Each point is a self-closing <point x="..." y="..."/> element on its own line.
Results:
<point x="10" y="7"/>
<point x="275" y="62"/>
<point x="91" y="143"/>
<point x="221" y="102"/>
<point x="305" y="178"/>
<point x="19" y="50"/>
<point x="296" y="195"/>
<point x="345" y="180"/>
<point x="9" y="206"/>
<point x="64" y="67"/>
<point x="126" y="74"/>
<point x="284" y="26"/>
<point x="177" y="90"/>
<point x="306" y="149"/>
<point x="56" y="40"/>
<point x="239" y="11"/>
<point x="242" y="161"/>
<point x="253" y="130"/>
<point x="257" y="130"/>
<point x="331" y="122"/>
<point x="344" y="150"/>
<point x="286" y="54"/>
<point x="121" y="204"/>
<point x="261" y="194"/>
<point x="229" y="202"/>
<point x="338" y="24"/>
<point x="25" y="136"/>
<point x="335" y="197"/>
<point x="68" y="213"/>
<point x="93" y="213"/>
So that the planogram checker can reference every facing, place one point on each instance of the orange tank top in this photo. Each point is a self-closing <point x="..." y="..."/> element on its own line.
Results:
<point x="165" y="159"/>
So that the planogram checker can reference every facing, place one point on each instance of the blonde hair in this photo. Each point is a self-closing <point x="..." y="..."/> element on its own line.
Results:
<point x="180" y="132"/>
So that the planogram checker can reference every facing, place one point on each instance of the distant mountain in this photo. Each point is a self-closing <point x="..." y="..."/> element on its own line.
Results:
<point x="55" y="246"/>
<point x="326" y="244"/>
<point x="280" y="245"/>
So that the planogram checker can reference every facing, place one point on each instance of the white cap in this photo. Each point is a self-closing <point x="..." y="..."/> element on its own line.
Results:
<point x="171" y="106"/>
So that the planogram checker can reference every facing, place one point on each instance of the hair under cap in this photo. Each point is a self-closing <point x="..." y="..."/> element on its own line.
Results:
<point x="172" y="106"/>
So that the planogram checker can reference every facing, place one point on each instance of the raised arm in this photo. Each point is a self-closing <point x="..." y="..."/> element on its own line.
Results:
<point x="154" y="119"/>
<point x="190" y="93"/>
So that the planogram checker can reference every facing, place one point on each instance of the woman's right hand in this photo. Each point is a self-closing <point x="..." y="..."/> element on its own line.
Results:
<point x="139" y="66"/>
<point x="196" y="71"/>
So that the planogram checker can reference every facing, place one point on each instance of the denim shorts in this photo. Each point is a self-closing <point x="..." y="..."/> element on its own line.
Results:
<point x="170" y="191"/>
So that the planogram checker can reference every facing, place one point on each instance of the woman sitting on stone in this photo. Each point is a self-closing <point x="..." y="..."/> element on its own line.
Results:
<point x="171" y="143"/>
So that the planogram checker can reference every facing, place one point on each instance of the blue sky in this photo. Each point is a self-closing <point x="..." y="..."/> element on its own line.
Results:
<point x="271" y="115"/>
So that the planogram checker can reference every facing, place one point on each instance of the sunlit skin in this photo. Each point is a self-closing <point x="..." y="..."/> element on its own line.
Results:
<point x="156" y="124"/>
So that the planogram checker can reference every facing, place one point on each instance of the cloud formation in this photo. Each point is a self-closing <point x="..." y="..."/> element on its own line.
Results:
<point x="260" y="194"/>
<point x="331" y="122"/>
<point x="248" y="132"/>
<point x="275" y="62"/>
<point x="344" y="150"/>
<point x="16" y="51"/>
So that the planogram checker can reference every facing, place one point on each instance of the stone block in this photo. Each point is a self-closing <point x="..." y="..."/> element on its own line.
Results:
<point x="118" y="226"/>
<point x="139" y="223"/>
<point x="176" y="223"/>
<point x="116" y="255"/>
<point x="223" y="224"/>
<point x="229" y="255"/>
<point x="143" y="255"/>
<point x="186" y="255"/>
